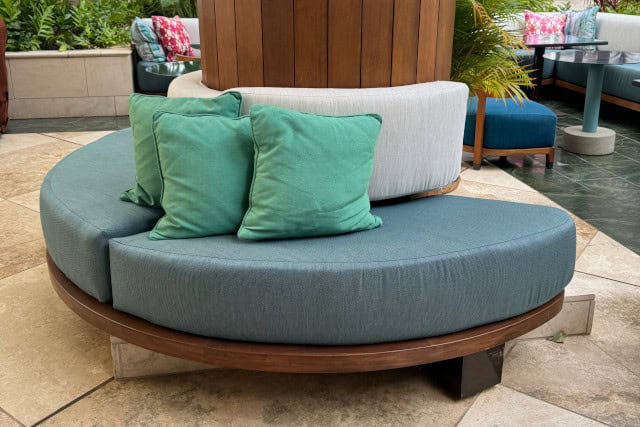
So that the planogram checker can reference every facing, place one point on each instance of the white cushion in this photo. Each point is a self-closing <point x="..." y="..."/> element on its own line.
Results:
<point x="621" y="31"/>
<point x="420" y="143"/>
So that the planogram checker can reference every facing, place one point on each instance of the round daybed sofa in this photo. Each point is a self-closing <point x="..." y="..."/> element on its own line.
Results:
<point x="444" y="277"/>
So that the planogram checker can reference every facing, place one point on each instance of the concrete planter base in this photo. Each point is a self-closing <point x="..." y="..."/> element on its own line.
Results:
<point x="76" y="83"/>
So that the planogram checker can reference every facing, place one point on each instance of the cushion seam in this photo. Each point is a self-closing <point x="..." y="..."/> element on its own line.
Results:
<point x="345" y="262"/>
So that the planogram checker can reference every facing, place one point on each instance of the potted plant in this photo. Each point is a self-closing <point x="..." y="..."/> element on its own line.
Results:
<point x="484" y="52"/>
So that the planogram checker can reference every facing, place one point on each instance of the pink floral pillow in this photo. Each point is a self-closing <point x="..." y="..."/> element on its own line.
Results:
<point x="173" y="35"/>
<point x="536" y="24"/>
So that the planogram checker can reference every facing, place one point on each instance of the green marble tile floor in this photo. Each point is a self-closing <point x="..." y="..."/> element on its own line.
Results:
<point x="602" y="190"/>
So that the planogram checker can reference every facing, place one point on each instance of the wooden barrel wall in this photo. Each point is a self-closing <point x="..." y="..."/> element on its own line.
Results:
<point x="325" y="43"/>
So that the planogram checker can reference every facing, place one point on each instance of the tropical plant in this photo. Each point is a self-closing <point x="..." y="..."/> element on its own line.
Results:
<point x="183" y="8"/>
<point x="484" y="52"/>
<point x="57" y="24"/>
<point x="629" y="7"/>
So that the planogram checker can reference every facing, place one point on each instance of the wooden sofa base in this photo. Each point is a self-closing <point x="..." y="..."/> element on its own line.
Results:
<point x="625" y="103"/>
<point x="296" y="358"/>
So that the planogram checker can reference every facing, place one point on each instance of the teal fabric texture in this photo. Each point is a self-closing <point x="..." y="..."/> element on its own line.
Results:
<point x="80" y="210"/>
<point x="206" y="164"/>
<point x="146" y="41"/>
<point x="141" y="110"/>
<point x="438" y="265"/>
<point x="311" y="174"/>
<point x="582" y="23"/>
<point x="510" y="125"/>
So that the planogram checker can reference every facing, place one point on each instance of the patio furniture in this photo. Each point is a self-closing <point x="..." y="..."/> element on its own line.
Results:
<point x="622" y="32"/>
<point x="589" y="138"/>
<point x="496" y="127"/>
<point x="559" y="41"/>
<point x="445" y="278"/>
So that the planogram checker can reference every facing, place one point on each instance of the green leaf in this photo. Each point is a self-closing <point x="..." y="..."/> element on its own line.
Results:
<point x="558" y="338"/>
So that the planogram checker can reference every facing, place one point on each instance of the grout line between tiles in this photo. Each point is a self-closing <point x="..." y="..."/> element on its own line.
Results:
<point x="73" y="402"/>
<point x="557" y="406"/>
<point x="607" y="278"/>
<point x="11" y="416"/>
<point x="475" y="399"/>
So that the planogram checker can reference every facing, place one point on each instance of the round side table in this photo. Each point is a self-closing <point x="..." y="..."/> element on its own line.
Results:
<point x="590" y="138"/>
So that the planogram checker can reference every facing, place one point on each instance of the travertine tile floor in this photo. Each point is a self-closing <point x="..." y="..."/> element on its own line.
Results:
<point x="55" y="369"/>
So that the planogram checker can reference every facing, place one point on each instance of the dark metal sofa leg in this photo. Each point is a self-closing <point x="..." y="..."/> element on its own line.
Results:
<point x="468" y="375"/>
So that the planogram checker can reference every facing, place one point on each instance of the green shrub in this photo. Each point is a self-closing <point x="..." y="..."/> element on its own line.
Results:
<point x="183" y="8"/>
<point x="628" y="7"/>
<point x="57" y="24"/>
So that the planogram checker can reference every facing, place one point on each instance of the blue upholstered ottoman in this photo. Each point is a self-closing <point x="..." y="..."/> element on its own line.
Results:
<point x="510" y="128"/>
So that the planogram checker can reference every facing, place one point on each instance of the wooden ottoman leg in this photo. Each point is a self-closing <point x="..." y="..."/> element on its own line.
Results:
<point x="549" y="157"/>
<point x="478" y="140"/>
<point x="469" y="375"/>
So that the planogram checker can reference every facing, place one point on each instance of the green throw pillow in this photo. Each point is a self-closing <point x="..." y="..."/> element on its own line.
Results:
<point x="206" y="164"/>
<point x="141" y="110"/>
<point x="311" y="174"/>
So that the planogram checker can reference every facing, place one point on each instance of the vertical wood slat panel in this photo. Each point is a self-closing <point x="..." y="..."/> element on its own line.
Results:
<point x="427" y="41"/>
<point x="277" y="43"/>
<point x="310" y="35"/>
<point x="226" y="33"/>
<point x="377" y="36"/>
<point x="444" y="50"/>
<point x="406" y="22"/>
<point x="345" y="37"/>
<point x="249" y="42"/>
<point x="208" y="44"/>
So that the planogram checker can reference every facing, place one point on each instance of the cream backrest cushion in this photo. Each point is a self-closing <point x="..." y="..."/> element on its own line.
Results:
<point x="420" y="143"/>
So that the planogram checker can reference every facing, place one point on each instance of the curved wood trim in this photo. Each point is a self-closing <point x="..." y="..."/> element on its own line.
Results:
<point x="295" y="358"/>
<point x="435" y="192"/>
<point x="510" y="152"/>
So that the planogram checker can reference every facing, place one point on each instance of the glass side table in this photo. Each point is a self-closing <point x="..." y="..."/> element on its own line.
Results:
<point x="559" y="41"/>
<point x="590" y="139"/>
<point x="173" y="69"/>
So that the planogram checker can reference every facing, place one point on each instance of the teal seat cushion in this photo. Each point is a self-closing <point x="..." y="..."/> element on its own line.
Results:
<point x="617" y="78"/>
<point x="510" y="125"/>
<point x="80" y="210"/>
<point x="438" y="265"/>
<point x="206" y="165"/>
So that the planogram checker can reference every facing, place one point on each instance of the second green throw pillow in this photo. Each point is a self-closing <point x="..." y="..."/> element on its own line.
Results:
<point x="311" y="174"/>
<point x="141" y="110"/>
<point x="206" y="165"/>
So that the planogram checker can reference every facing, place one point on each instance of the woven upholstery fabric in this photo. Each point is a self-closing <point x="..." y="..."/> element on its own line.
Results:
<point x="510" y="125"/>
<point x="80" y="210"/>
<point x="173" y="35"/>
<point x="146" y="41"/>
<point x="422" y="124"/>
<point x="438" y="265"/>
<point x="536" y="24"/>
<point x="582" y="23"/>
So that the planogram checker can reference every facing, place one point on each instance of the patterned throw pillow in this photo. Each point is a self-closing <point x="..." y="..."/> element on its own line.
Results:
<point x="536" y="24"/>
<point x="173" y="35"/>
<point x="582" y="23"/>
<point x="147" y="44"/>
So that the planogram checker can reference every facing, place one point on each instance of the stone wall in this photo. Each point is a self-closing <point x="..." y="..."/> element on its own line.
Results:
<point x="75" y="83"/>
